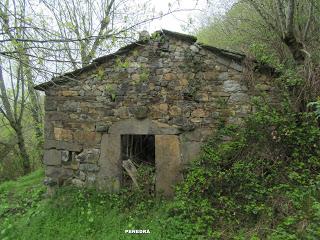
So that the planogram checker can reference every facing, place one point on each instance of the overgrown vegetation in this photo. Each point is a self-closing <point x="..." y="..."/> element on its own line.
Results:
<point x="262" y="184"/>
<point x="11" y="164"/>
<point x="78" y="214"/>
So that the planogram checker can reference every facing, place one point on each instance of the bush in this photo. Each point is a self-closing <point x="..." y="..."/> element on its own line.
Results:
<point x="263" y="183"/>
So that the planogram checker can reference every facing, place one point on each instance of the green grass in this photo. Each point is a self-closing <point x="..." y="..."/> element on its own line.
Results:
<point x="23" y="184"/>
<point x="77" y="214"/>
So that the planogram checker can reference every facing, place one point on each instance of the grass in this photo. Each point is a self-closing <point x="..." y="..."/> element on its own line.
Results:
<point x="77" y="214"/>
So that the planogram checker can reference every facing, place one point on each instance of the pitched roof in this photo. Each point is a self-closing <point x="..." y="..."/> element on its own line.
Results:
<point x="237" y="57"/>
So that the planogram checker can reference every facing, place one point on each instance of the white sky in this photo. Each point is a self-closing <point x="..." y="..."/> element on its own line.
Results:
<point x="175" y="21"/>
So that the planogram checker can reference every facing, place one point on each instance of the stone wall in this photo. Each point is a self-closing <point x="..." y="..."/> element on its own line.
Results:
<point x="172" y="82"/>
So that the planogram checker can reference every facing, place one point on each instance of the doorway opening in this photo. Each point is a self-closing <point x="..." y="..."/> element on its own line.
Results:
<point x="138" y="161"/>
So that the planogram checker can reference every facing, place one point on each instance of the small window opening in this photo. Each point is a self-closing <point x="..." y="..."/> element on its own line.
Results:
<point x="138" y="161"/>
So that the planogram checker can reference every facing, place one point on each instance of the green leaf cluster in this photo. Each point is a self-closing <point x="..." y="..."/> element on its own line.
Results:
<point x="262" y="184"/>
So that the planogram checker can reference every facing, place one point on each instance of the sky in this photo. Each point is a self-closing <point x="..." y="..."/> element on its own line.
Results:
<point x="196" y="9"/>
<point x="175" y="21"/>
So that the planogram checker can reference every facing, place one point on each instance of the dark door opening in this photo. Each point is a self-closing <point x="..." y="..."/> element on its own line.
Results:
<point x="138" y="160"/>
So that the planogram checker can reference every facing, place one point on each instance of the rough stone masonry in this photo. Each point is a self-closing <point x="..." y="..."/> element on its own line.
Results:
<point x="167" y="85"/>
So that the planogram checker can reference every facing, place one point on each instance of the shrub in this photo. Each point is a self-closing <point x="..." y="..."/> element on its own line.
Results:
<point x="261" y="184"/>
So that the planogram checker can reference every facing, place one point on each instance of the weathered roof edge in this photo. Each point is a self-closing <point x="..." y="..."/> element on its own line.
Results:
<point x="238" y="57"/>
<point x="182" y="36"/>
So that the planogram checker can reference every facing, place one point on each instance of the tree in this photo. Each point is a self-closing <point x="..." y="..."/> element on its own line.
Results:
<point x="287" y="28"/>
<point x="281" y="33"/>
<point x="72" y="33"/>
<point x="95" y="27"/>
<point x="13" y="109"/>
<point x="293" y="22"/>
<point x="14" y="26"/>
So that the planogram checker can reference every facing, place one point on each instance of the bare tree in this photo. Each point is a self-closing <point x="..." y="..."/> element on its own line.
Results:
<point x="14" y="25"/>
<point x="293" y="21"/>
<point x="13" y="109"/>
<point x="74" y="32"/>
<point x="98" y="26"/>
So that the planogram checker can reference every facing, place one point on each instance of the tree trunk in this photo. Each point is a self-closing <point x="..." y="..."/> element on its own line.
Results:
<point x="296" y="48"/>
<point x="23" y="151"/>
<point x="34" y="98"/>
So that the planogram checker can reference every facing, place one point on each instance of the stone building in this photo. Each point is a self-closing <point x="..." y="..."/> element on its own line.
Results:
<point x="166" y="93"/>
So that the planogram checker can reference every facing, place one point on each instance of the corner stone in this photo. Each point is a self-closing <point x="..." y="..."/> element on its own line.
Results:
<point x="52" y="157"/>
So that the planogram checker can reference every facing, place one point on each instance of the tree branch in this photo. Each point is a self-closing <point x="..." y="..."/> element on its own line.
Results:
<point x="290" y="18"/>
<point x="307" y="26"/>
